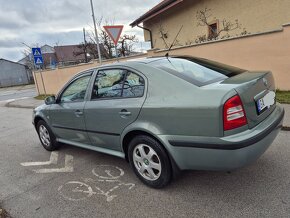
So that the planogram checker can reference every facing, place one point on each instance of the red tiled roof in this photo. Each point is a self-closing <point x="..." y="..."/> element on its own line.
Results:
<point x="157" y="9"/>
<point x="49" y="58"/>
<point x="67" y="53"/>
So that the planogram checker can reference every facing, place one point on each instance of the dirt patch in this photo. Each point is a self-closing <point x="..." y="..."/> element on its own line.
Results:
<point x="4" y="214"/>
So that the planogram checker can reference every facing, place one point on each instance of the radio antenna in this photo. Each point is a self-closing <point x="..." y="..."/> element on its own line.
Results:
<point x="167" y="54"/>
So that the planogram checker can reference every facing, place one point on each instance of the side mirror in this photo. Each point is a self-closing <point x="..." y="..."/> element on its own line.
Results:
<point x="50" y="100"/>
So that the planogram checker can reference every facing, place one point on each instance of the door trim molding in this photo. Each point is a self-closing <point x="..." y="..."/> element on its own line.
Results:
<point x="84" y="130"/>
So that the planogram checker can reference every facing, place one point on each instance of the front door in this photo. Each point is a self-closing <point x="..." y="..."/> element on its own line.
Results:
<point x="116" y="100"/>
<point x="67" y="116"/>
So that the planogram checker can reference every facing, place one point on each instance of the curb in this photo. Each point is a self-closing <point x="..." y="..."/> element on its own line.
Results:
<point x="11" y="104"/>
<point x="19" y="106"/>
<point x="285" y="128"/>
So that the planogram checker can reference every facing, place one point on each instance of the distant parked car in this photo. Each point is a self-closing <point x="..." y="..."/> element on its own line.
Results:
<point x="165" y="114"/>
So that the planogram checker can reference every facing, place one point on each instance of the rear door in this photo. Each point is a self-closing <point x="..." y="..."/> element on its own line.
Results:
<point x="117" y="97"/>
<point x="67" y="116"/>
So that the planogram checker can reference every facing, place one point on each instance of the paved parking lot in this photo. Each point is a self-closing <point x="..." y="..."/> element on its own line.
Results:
<point x="17" y="92"/>
<point x="74" y="182"/>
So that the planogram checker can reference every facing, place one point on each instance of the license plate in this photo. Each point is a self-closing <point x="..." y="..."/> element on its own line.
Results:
<point x="266" y="102"/>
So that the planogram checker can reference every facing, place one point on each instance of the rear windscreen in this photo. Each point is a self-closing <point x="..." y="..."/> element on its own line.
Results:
<point x="199" y="72"/>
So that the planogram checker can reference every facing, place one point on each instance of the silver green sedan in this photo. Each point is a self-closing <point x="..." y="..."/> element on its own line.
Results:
<point x="165" y="114"/>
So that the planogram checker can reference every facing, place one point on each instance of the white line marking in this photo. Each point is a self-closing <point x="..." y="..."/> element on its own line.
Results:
<point x="53" y="160"/>
<point x="66" y="169"/>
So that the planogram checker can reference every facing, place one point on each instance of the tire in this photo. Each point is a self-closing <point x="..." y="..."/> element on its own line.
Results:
<point x="46" y="137"/>
<point x="150" y="161"/>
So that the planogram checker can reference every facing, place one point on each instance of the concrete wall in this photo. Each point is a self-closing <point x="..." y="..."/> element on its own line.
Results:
<point x="54" y="80"/>
<point x="12" y="74"/>
<point x="255" y="16"/>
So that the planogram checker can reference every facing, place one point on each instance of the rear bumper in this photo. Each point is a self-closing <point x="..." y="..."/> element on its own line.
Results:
<point x="225" y="153"/>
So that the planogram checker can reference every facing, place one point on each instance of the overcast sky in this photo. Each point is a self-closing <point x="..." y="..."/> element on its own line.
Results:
<point x="60" y="21"/>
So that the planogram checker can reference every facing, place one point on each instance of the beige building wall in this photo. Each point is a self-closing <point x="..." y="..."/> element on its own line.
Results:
<point x="255" y="16"/>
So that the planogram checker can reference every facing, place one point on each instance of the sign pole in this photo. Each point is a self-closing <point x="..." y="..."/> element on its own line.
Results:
<point x="43" y="83"/>
<point x="117" y="56"/>
<point x="39" y="63"/>
<point x="96" y="33"/>
<point x="35" y="79"/>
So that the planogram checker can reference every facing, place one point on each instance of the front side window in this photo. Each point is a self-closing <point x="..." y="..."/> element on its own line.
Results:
<point x="76" y="91"/>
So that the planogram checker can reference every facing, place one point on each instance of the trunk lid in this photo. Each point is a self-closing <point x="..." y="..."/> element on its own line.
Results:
<point x="255" y="88"/>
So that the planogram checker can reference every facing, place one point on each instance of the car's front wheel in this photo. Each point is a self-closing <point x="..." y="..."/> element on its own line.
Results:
<point x="46" y="136"/>
<point x="149" y="161"/>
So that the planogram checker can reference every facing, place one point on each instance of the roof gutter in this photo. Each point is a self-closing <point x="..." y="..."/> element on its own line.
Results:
<point x="155" y="12"/>
<point x="150" y="33"/>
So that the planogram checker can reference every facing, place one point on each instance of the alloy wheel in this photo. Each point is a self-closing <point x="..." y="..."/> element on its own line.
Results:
<point x="44" y="135"/>
<point x="147" y="162"/>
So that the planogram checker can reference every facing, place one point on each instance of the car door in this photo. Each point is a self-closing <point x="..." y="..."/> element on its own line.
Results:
<point x="116" y="100"/>
<point x="67" y="115"/>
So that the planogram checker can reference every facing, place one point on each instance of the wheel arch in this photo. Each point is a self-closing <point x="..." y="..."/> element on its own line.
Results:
<point x="133" y="133"/>
<point x="37" y="119"/>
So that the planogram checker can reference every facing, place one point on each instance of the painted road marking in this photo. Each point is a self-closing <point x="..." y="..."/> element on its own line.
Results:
<point x="80" y="190"/>
<point x="68" y="165"/>
<point x="53" y="160"/>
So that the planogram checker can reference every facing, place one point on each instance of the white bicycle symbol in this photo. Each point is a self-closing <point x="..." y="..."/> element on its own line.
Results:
<point x="80" y="190"/>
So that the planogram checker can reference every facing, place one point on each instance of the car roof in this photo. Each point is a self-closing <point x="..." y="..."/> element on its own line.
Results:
<point x="146" y="60"/>
<point x="130" y="63"/>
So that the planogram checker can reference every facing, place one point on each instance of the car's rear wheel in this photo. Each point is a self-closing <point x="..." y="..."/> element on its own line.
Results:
<point x="46" y="136"/>
<point x="149" y="161"/>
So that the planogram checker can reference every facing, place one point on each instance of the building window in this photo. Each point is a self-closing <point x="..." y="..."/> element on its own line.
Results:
<point x="213" y="30"/>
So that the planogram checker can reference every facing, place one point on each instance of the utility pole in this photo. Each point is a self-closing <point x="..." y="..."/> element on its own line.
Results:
<point x="85" y="46"/>
<point x="96" y="33"/>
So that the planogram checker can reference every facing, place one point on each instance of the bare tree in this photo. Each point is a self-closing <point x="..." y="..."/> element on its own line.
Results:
<point x="27" y="53"/>
<point x="163" y="33"/>
<point x="104" y="37"/>
<point x="126" y="41"/>
<point x="203" y="17"/>
<point x="126" y="44"/>
<point x="164" y="36"/>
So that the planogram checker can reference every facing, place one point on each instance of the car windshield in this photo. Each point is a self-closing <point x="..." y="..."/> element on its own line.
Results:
<point x="189" y="70"/>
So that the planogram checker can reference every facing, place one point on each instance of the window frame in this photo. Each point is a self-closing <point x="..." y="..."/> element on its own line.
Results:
<point x="210" y="34"/>
<point x="78" y="76"/>
<point x="121" y="97"/>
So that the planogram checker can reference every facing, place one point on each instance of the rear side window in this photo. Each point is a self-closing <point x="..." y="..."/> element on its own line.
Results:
<point x="189" y="70"/>
<point x="109" y="83"/>
<point x="117" y="83"/>
<point x="133" y="86"/>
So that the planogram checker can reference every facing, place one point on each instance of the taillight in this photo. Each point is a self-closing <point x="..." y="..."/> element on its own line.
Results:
<point x="234" y="113"/>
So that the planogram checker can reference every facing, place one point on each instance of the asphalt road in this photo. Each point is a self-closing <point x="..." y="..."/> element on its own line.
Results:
<point x="17" y="92"/>
<point x="90" y="189"/>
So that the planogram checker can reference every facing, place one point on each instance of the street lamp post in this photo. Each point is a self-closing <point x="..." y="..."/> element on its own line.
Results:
<point x="96" y="33"/>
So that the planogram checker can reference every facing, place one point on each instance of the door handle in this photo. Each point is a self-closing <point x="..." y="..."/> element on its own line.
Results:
<point x="78" y="113"/>
<point x="124" y="113"/>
